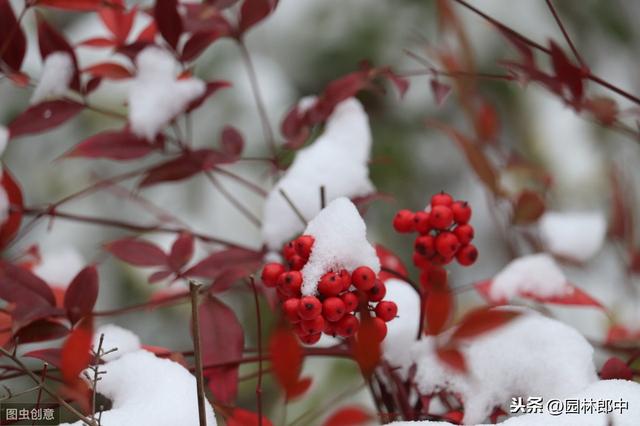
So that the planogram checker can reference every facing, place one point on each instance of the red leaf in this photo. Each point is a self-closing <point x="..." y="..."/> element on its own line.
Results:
<point x="23" y="287"/>
<point x="568" y="74"/>
<point x="77" y="5"/>
<point x="286" y="359"/>
<point x="181" y="251"/>
<point x="349" y="416"/>
<point x="118" y="20"/>
<point x="389" y="260"/>
<point x="438" y="306"/>
<point x="98" y="42"/>
<point x="528" y="208"/>
<point x="10" y="227"/>
<point x="232" y="142"/>
<point x="440" y="91"/>
<point x="50" y="40"/>
<point x="483" y="320"/>
<point x="300" y="388"/>
<point x="184" y="166"/>
<point x="486" y="122"/>
<point x="227" y="278"/>
<point x="574" y="296"/>
<point x="241" y="417"/>
<point x="44" y="116"/>
<point x="401" y="83"/>
<point x="159" y="276"/>
<point x="212" y="265"/>
<point x="109" y="70"/>
<point x="212" y="87"/>
<point x="81" y="296"/>
<point x="52" y="356"/>
<point x="453" y="358"/>
<point x="222" y="342"/>
<point x="6" y="327"/>
<point x="114" y="145"/>
<point x="198" y="43"/>
<point x="137" y="252"/>
<point x="40" y="331"/>
<point x="76" y="351"/>
<point x="366" y="350"/>
<point x="13" y="40"/>
<point x="615" y="368"/>
<point x="168" y="21"/>
<point x="254" y="11"/>
<point x="603" y="109"/>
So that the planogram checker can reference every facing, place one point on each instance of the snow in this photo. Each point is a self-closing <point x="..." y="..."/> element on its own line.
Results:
<point x="536" y="274"/>
<point x="146" y="390"/>
<point x="337" y="160"/>
<point x="57" y="72"/>
<point x="156" y="97"/>
<point x="4" y="138"/>
<point x="576" y="235"/>
<point x="58" y="267"/>
<point x="340" y="243"/>
<point x="402" y="332"/>
<point x="115" y="337"/>
<point x="603" y="390"/>
<point x="531" y="356"/>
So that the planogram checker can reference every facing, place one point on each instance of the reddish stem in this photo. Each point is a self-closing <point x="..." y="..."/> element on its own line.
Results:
<point x="565" y="33"/>
<point x="259" y="325"/>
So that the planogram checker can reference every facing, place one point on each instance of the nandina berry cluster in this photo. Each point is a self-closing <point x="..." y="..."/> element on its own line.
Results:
<point x="445" y="232"/>
<point x="340" y="296"/>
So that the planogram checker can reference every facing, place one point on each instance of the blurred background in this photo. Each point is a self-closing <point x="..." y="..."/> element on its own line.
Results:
<point x="297" y="51"/>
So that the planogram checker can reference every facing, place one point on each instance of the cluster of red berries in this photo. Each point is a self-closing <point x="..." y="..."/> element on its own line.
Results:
<point x="445" y="232"/>
<point x="340" y="295"/>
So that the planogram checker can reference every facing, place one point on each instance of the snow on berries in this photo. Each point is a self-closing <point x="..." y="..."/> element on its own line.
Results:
<point x="444" y="232"/>
<point x="330" y="274"/>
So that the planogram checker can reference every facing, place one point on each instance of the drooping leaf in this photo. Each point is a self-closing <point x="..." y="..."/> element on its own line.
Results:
<point x="181" y="251"/>
<point x="118" y="20"/>
<point x="40" y="331"/>
<point x="225" y="279"/>
<point x="241" y="417"/>
<point x="222" y="341"/>
<point x="50" y="41"/>
<point x="113" y="145"/>
<point x="137" y="252"/>
<point x="231" y="141"/>
<point x="453" y="358"/>
<point x="198" y="43"/>
<point x="76" y="351"/>
<point x="44" y="116"/>
<point x="211" y="88"/>
<point x="12" y="35"/>
<point x="53" y="356"/>
<point x="75" y="5"/>
<point x="286" y="359"/>
<point x="254" y="11"/>
<point x="81" y="295"/>
<point x="528" y="208"/>
<point x="109" y="70"/>
<point x="20" y="286"/>
<point x="366" y="350"/>
<point x="11" y="225"/>
<point x="481" y="321"/>
<point x="351" y="415"/>
<point x="440" y="91"/>
<point x="212" y="265"/>
<point x="168" y="21"/>
<point x="568" y="74"/>
<point x="486" y="122"/>
<point x="184" y="166"/>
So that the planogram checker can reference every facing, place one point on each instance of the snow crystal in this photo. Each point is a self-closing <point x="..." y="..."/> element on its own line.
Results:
<point x="403" y="330"/>
<point x="4" y="138"/>
<point x="147" y="390"/>
<point x="536" y="274"/>
<point x="340" y="243"/>
<point x="115" y="337"/>
<point x="156" y="97"/>
<point x="577" y="235"/>
<point x="531" y="356"/>
<point x="337" y="160"/>
<point x="57" y="72"/>
<point x="58" y="267"/>
<point x="603" y="390"/>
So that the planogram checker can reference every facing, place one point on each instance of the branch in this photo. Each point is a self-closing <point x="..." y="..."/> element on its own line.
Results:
<point x="195" y="329"/>
<point x="259" y="325"/>
<point x="565" y="33"/>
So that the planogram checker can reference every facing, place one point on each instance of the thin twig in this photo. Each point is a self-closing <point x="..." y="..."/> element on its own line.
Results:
<point x="323" y="197"/>
<point x="233" y="200"/>
<point x="259" y="325"/>
<point x="565" y="33"/>
<point x="293" y="206"/>
<point x="195" y="329"/>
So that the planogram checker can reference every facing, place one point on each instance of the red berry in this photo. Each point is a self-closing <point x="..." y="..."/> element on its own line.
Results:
<point x="377" y="292"/>
<point x="290" y="307"/>
<point x="421" y="222"/>
<point x="299" y="331"/>
<point x="313" y="326"/>
<point x="310" y="339"/>
<point x="289" y="250"/>
<point x="441" y="199"/>
<point x="403" y="221"/>
<point x="333" y="308"/>
<point x="290" y="283"/>
<point x="303" y="245"/>
<point x="467" y="255"/>
<point x="330" y="328"/>
<point x="310" y="307"/>
<point x="297" y="262"/>
<point x="441" y="217"/>
<point x="363" y="278"/>
<point x="424" y="245"/>
<point x="464" y="233"/>
<point x="350" y="301"/>
<point x="440" y="260"/>
<point x="347" y="326"/>
<point x="420" y="261"/>
<point x="282" y="296"/>
<point x="271" y="272"/>
<point x="461" y="212"/>
<point x="330" y="284"/>
<point x="345" y="277"/>
<point x="386" y="310"/>
<point x="381" y="328"/>
<point x="447" y="244"/>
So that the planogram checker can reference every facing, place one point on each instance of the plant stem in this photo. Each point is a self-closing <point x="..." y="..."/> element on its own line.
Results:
<point x="565" y="33"/>
<point x="293" y="206"/>
<point x="194" y="289"/>
<point x="259" y="331"/>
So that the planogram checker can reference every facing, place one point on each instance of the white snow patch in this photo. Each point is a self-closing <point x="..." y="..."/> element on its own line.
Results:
<point x="531" y="356"/>
<point x="402" y="332"/>
<point x="4" y="138"/>
<point x="156" y="97"/>
<point x="58" y="267"/>
<point x="576" y="235"/>
<point x="147" y="390"/>
<point x="337" y="160"/>
<point x="340" y="243"/>
<point x="57" y="72"/>
<point x="536" y="274"/>
<point x="115" y="337"/>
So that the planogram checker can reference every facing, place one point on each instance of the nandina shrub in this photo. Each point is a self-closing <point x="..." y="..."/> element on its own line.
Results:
<point x="315" y="281"/>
